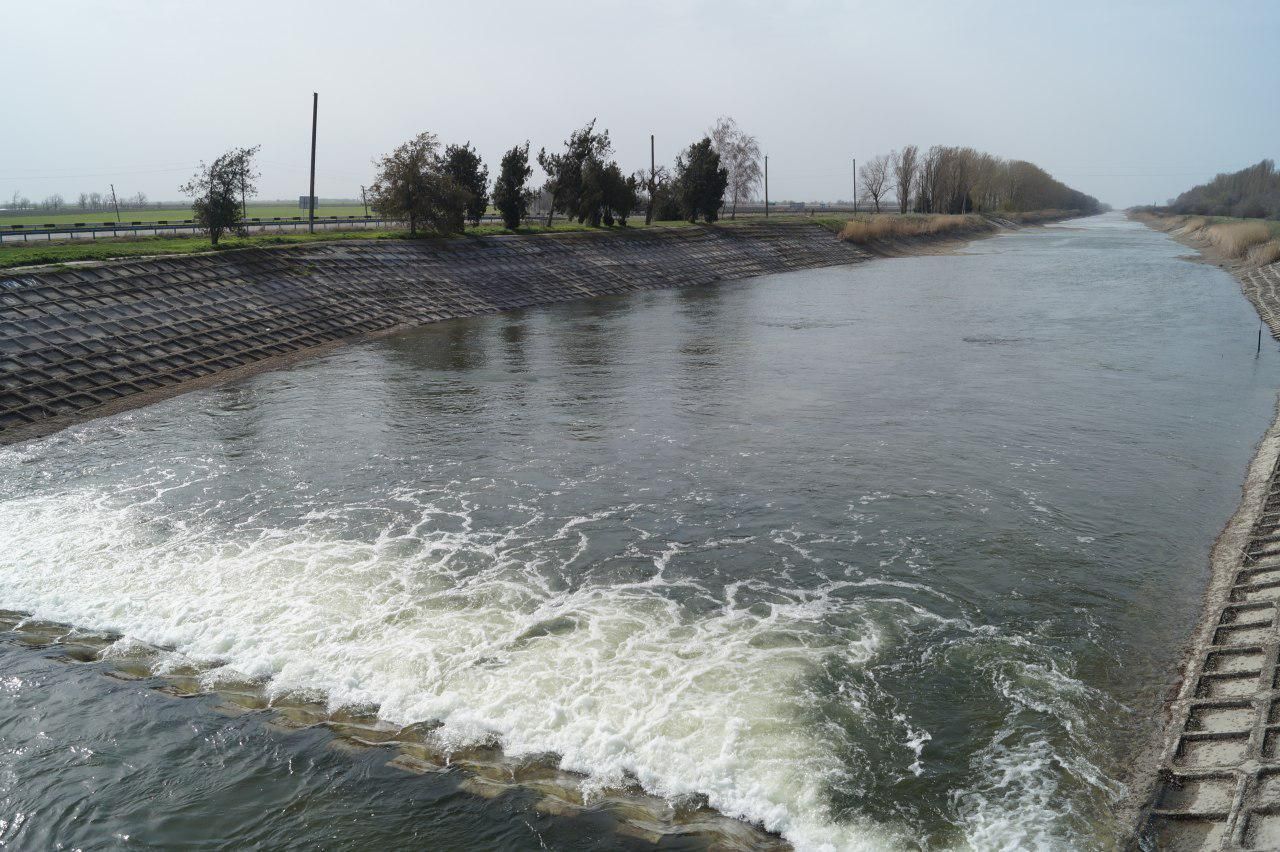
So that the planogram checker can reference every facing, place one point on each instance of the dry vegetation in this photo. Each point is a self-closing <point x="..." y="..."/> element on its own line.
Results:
<point x="1265" y="254"/>
<point x="887" y="226"/>
<point x="1236" y="238"/>
<point x="1254" y="241"/>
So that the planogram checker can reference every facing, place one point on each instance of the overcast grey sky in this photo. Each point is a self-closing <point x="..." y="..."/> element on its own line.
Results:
<point x="1129" y="101"/>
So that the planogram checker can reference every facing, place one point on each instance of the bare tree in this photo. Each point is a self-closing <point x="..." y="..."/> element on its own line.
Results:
<point x="740" y="154"/>
<point x="875" y="174"/>
<point x="904" y="172"/>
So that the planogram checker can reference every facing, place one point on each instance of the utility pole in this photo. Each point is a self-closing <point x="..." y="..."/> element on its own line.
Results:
<point x="365" y="201"/>
<point x="766" y="186"/>
<point x="114" y="203"/>
<point x="311" y="199"/>
<point x="855" y="184"/>
<point x="653" y="183"/>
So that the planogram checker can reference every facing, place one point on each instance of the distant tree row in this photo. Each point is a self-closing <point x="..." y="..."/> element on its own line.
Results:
<point x="88" y="202"/>
<point x="1252" y="192"/>
<point x="946" y="179"/>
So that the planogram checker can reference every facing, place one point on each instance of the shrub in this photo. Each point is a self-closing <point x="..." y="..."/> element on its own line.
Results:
<point x="666" y="207"/>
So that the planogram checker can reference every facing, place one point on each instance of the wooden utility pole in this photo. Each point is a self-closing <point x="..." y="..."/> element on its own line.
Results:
<point x="364" y="200"/>
<point x="114" y="203"/>
<point x="653" y="183"/>
<point x="766" y="186"/>
<point x="311" y="199"/>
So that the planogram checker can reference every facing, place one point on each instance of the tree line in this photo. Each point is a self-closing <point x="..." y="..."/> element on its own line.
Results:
<point x="946" y="179"/>
<point x="440" y="188"/>
<point x="88" y="202"/>
<point x="1251" y="193"/>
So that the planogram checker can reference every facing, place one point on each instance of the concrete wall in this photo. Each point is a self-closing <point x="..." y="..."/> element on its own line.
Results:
<point x="77" y="343"/>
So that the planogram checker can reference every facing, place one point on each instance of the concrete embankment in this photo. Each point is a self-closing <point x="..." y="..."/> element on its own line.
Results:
<point x="1213" y="780"/>
<point x="91" y="340"/>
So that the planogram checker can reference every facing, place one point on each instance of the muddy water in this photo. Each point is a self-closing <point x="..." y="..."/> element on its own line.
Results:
<point x="885" y="556"/>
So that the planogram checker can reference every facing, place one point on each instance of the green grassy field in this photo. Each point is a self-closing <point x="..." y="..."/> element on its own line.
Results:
<point x="170" y="214"/>
<point x="17" y="254"/>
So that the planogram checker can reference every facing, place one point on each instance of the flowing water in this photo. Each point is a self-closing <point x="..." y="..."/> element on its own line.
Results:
<point x="894" y="555"/>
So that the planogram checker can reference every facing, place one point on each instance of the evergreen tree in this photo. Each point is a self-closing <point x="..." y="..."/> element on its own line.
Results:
<point x="701" y="181"/>
<point x="510" y="195"/>
<point x="565" y="171"/>
<point x="463" y="165"/>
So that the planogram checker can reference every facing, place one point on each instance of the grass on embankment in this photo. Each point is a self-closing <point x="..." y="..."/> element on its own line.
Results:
<point x="1255" y="242"/>
<point x="14" y="254"/>
<point x="70" y="251"/>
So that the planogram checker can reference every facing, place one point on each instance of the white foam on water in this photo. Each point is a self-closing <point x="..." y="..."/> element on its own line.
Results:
<point x="1018" y="801"/>
<point x="439" y="622"/>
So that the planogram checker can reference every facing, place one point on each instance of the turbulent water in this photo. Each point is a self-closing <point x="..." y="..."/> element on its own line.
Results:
<point x="887" y="556"/>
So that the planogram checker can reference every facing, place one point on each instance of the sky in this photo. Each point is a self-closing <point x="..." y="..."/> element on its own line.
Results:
<point x="1129" y="101"/>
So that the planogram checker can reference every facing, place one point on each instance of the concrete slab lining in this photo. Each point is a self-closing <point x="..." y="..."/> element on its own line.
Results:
<point x="75" y="343"/>
<point x="1216" y="783"/>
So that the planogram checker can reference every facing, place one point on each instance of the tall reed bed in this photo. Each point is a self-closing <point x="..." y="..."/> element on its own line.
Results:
<point x="1254" y="241"/>
<point x="1234" y="239"/>
<point x="1265" y="254"/>
<point x="890" y="226"/>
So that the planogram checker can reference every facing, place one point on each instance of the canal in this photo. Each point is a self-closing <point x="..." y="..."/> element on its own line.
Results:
<point x="894" y="555"/>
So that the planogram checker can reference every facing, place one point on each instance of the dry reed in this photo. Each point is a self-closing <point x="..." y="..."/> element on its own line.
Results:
<point x="1265" y="254"/>
<point x="890" y="226"/>
<point x="1234" y="239"/>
